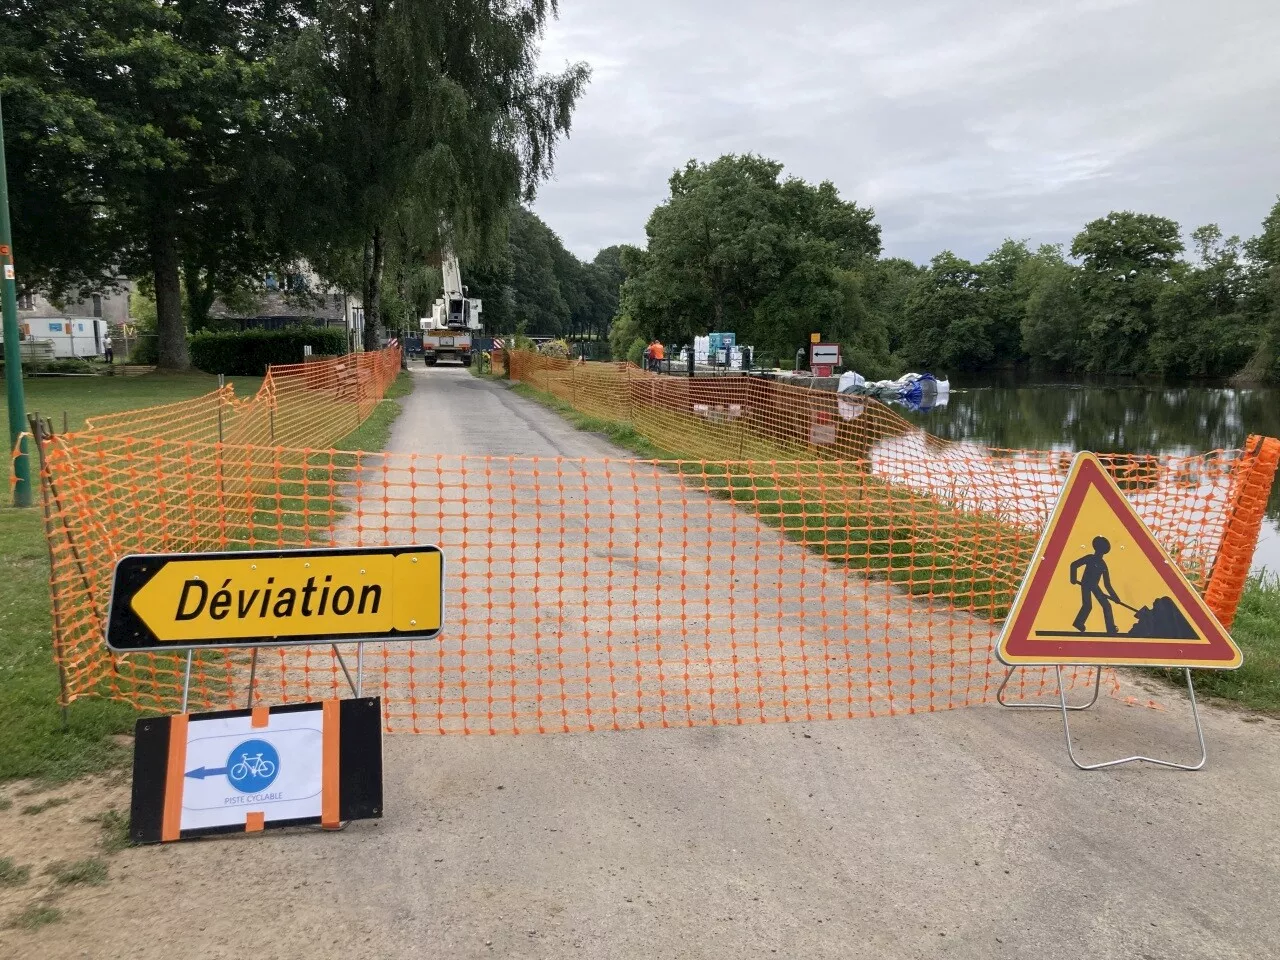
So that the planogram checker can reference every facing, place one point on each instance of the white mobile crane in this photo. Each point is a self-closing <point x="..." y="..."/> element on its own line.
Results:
<point x="454" y="318"/>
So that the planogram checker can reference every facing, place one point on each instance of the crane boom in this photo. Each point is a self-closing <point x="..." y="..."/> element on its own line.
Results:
<point x="447" y="332"/>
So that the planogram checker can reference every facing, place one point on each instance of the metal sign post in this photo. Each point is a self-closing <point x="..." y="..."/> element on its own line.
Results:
<point x="12" y="346"/>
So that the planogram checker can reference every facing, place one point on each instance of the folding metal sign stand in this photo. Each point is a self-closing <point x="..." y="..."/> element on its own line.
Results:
<point x="356" y="685"/>
<point x="1095" y="546"/>
<point x="1097" y="686"/>
<point x="1195" y="713"/>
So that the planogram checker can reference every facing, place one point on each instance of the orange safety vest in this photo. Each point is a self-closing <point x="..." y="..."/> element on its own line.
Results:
<point x="659" y="351"/>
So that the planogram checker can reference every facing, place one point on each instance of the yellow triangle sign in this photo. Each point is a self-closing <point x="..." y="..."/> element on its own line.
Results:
<point x="1101" y="590"/>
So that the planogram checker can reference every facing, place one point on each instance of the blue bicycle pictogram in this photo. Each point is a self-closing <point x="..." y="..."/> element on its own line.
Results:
<point x="253" y="766"/>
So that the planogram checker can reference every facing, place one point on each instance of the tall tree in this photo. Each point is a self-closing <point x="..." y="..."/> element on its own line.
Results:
<point x="947" y="316"/>
<point x="736" y="248"/>
<point x="429" y="110"/>
<point x="54" y="136"/>
<point x="1053" y="321"/>
<point x="1126" y="258"/>
<point x="148" y="115"/>
<point x="1006" y="298"/>
<point x="1262" y="299"/>
<point x="1200" y="328"/>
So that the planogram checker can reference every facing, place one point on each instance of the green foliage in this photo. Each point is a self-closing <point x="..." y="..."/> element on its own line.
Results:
<point x="153" y="133"/>
<point x="63" y="365"/>
<point x="250" y="352"/>
<point x="949" y="327"/>
<point x="737" y="248"/>
<point x="1257" y="630"/>
<point x="417" y="115"/>
<point x="535" y="283"/>
<point x="635" y="352"/>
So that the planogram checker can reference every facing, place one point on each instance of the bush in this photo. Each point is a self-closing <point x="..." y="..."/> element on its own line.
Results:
<point x="248" y="353"/>
<point x="635" y="352"/>
<point x="557" y="348"/>
<point x="144" y="351"/>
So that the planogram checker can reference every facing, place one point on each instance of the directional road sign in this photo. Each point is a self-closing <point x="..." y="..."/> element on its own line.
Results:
<point x="1101" y="590"/>
<point x="276" y="598"/>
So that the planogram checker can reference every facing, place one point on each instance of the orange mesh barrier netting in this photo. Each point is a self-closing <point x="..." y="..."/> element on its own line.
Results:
<point x="793" y="559"/>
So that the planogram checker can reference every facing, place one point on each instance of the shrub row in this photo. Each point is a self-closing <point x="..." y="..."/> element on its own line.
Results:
<point x="248" y="353"/>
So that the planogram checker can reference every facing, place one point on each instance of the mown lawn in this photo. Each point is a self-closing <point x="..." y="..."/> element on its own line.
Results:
<point x="82" y="397"/>
<point x="37" y="745"/>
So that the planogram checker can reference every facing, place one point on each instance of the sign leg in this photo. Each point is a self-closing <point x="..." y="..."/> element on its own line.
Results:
<point x="359" y="670"/>
<point x="342" y="663"/>
<point x="253" y="671"/>
<point x="1097" y="686"/>
<point x="186" y="681"/>
<point x="1195" y="714"/>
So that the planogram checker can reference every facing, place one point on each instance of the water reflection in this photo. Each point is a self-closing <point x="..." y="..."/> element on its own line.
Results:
<point x="1112" y="418"/>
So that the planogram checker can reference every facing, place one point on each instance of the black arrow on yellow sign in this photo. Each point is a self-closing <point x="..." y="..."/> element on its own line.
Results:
<point x="276" y="598"/>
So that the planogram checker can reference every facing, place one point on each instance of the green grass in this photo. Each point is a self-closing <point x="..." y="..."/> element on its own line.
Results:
<point x="623" y="434"/>
<point x="90" y="873"/>
<point x="81" y="397"/>
<point x="35" y="916"/>
<point x="115" y="830"/>
<point x="1256" y="685"/>
<point x="37" y="745"/>
<point x="12" y="875"/>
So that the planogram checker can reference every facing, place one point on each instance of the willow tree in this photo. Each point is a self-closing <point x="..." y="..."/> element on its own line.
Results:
<point x="420" y="113"/>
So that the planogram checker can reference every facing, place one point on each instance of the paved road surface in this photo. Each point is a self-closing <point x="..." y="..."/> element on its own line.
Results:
<point x="957" y="834"/>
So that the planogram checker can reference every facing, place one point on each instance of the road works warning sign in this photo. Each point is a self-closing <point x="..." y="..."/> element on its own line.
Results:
<point x="1101" y="590"/>
<point x="269" y="598"/>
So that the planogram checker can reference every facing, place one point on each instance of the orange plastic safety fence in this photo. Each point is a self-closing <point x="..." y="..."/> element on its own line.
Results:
<point x="782" y="565"/>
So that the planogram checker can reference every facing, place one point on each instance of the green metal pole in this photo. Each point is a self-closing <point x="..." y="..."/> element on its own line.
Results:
<point x="12" y="349"/>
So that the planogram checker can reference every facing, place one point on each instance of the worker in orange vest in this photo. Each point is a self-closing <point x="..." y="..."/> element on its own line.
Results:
<point x="657" y="353"/>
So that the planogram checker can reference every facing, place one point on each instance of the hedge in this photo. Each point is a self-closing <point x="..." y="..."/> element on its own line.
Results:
<point x="248" y="353"/>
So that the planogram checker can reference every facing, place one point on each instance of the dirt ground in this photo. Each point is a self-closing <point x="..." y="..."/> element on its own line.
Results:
<point x="958" y="834"/>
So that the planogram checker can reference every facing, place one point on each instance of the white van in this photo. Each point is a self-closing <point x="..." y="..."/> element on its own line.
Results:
<point x="70" y="336"/>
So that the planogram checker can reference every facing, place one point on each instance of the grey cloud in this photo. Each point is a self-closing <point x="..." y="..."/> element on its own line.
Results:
<point x="961" y="121"/>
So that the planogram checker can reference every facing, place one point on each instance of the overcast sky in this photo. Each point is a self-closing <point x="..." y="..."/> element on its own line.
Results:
<point x="961" y="122"/>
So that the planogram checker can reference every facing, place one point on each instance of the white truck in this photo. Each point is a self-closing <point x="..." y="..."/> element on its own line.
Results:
<point x="455" y="318"/>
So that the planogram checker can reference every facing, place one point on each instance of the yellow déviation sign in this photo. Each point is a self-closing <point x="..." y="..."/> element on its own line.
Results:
<point x="276" y="597"/>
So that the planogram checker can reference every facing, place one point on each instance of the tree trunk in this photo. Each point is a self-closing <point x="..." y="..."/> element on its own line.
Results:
<point x="200" y="295"/>
<point x="171" y="332"/>
<point x="373" y="293"/>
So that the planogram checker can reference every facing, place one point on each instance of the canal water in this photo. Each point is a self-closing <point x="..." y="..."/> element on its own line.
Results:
<point x="1109" y="417"/>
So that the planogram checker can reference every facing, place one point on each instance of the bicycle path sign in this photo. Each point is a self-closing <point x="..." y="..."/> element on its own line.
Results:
<point x="249" y="770"/>
<point x="276" y="598"/>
